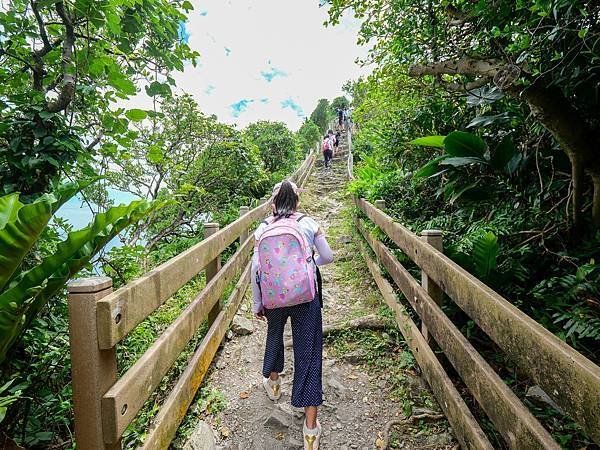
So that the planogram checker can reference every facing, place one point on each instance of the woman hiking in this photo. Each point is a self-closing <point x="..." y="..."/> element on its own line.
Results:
<point x="327" y="148"/>
<point x="285" y="286"/>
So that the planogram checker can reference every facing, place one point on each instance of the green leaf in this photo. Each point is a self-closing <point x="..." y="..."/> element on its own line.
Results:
<point x="155" y="154"/>
<point x="501" y="156"/>
<point x="457" y="193"/>
<point x="462" y="161"/>
<point x="187" y="5"/>
<point x="431" y="168"/>
<point x="46" y="114"/>
<point x="460" y="143"/>
<point x="136" y="115"/>
<point x="96" y="67"/>
<point x="157" y="88"/>
<point x="429" y="141"/>
<point x="583" y="33"/>
<point x="483" y="121"/>
<point x="113" y="22"/>
<point x="485" y="254"/>
<point x="118" y="81"/>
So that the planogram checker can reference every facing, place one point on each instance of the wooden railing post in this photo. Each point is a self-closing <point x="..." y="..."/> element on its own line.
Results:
<point x="93" y="371"/>
<point x="244" y="234"/>
<point x="433" y="238"/>
<point x="211" y="270"/>
<point x="380" y="204"/>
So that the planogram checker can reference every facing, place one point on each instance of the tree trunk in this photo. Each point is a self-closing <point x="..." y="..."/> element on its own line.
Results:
<point x="596" y="201"/>
<point x="554" y="111"/>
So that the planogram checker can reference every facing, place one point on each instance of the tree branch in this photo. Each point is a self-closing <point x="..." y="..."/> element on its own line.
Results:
<point x="458" y="17"/>
<point x="464" y="87"/>
<point x="462" y="66"/>
<point x="67" y="91"/>
<point x="95" y="142"/>
<point x="42" y="27"/>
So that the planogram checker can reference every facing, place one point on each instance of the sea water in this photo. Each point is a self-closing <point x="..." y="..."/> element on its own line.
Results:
<point x="78" y="214"/>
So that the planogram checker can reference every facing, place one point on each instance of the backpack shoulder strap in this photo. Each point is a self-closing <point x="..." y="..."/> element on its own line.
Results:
<point x="268" y="220"/>
<point x="302" y="216"/>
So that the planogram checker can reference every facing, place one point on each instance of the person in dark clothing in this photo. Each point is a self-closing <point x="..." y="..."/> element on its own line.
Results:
<point x="327" y="148"/>
<point x="336" y="143"/>
<point x="340" y="113"/>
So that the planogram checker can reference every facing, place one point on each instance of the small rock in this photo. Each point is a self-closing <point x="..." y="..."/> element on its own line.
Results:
<point x="440" y="439"/>
<point x="220" y="364"/>
<point x="329" y="406"/>
<point x="242" y="326"/>
<point x="328" y="363"/>
<point x="268" y="442"/>
<point x="294" y="444"/>
<point x="339" y="389"/>
<point x="355" y="357"/>
<point x="279" y="420"/>
<point x="290" y="410"/>
<point x="344" y="239"/>
<point x="229" y="334"/>
<point x="537" y="395"/>
<point x="202" y="438"/>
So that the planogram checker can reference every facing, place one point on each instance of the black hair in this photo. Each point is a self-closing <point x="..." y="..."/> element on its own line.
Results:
<point x="286" y="201"/>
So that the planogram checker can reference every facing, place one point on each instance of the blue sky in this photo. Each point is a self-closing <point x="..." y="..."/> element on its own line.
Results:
<point x="266" y="59"/>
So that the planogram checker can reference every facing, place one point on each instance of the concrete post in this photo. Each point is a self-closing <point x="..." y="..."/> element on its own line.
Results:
<point x="433" y="238"/>
<point x="93" y="371"/>
<point x="244" y="234"/>
<point x="211" y="270"/>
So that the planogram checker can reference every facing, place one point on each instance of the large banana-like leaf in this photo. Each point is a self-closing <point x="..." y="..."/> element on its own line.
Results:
<point x="21" y="225"/>
<point x="485" y="254"/>
<point x="28" y="292"/>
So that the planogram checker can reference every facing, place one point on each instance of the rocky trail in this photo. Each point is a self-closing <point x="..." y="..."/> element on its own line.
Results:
<point x="358" y="400"/>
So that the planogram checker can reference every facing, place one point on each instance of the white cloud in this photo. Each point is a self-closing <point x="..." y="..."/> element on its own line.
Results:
<point x="278" y="60"/>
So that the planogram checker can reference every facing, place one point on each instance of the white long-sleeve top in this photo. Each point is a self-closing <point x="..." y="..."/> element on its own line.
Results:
<point x="315" y="238"/>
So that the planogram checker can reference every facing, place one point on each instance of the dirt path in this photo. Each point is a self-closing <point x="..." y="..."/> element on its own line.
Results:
<point x="358" y="401"/>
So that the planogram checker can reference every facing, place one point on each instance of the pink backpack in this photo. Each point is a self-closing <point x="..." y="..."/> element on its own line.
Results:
<point x="326" y="145"/>
<point x="286" y="275"/>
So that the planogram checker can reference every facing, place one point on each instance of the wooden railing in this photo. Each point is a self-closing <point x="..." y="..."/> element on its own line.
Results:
<point x="569" y="378"/>
<point x="100" y="318"/>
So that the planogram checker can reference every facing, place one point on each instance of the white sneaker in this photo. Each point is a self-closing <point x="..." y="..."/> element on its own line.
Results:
<point x="273" y="388"/>
<point x="311" y="437"/>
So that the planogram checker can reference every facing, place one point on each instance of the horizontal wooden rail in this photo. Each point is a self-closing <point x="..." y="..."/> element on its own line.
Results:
<point x="466" y="429"/>
<point x="571" y="379"/>
<point x="175" y="406"/>
<point x="125" y="398"/>
<point x="512" y="419"/>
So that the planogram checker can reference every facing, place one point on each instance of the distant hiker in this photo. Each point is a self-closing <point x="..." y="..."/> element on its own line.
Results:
<point x="286" y="284"/>
<point x="340" y="113"/>
<point x="346" y="117"/>
<point x="327" y="149"/>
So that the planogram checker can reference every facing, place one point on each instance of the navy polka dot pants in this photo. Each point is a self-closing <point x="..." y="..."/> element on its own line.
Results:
<point x="307" y="333"/>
